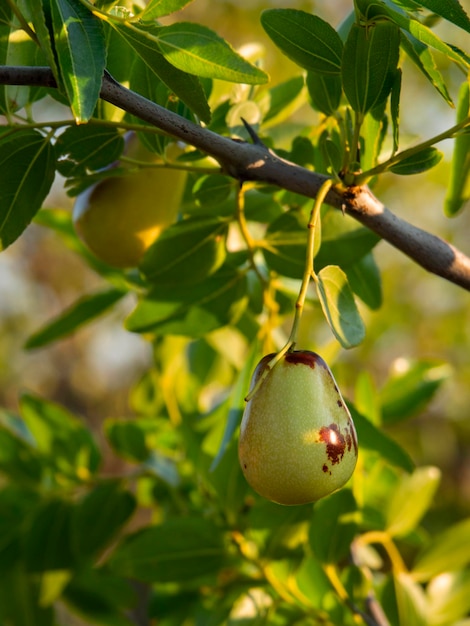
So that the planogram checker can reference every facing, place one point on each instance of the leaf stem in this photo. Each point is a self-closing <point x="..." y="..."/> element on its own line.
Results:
<point x="309" y="273"/>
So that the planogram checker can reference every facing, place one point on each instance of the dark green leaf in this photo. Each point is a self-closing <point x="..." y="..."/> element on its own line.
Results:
<point x="407" y="392"/>
<point x="196" y="49"/>
<point x="333" y="527"/>
<point x="78" y="314"/>
<point x="26" y="175"/>
<point x="83" y="148"/>
<point x="306" y="39"/>
<point x="81" y="55"/>
<point x="43" y="34"/>
<point x="343" y="243"/>
<point x="98" y="516"/>
<point x="458" y="189"/>
<point x="191" y="310"/>
<point x="285" y="245"/>
<point x="67" y="444"/>
<point x="450" y="10"/>
<point x="178" y="550"/>
<point x="365" y="280"/>
<point x="18" y="460"/>
<point x="369" y="64"/>
<point x="186" y="252"/>
<point x="418" y="162"/>
<point x="128" y="438"/>
<point x="19" y="601"/>
<point x="160" y="8"/>
<point x="422" y="57"/>
<point x="185" y="86"/>
<point x="372" y="438"/>
<point x="211" y="191"/>
<point x="48" y="541"/>
<point x="411" y="500"/>
<point x="325" y="91"/>
<point x="16" y="505"/>
<point x="395" y="109"/>
<point x="339" y="306"/>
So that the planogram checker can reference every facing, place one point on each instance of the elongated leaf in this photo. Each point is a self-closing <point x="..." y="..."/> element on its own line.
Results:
<point x="20" y="602"/>
<point x="449" y="598"/>
<point x="286" y="243"/>
<point x="191" y="310"/>
<point x="185" y="86"/>
<point x="411" y="600"/>
<point x="18" y="460"/>
<point x="81" y="55"/>
<point x="26" y="175"/>
<point x="419" y="31"/>
<point x="186" y="252"/>
<point x="332" y="527"/>
<point x="80" y="313"/>
<point x="450" y="10"/>
<point x="325" y="91"/>
<point x="422" y="57"/>
<point x="365" y="280"/>
<point x="417" y="163"/>
<point x="372" y="438"/>
<point x="448" y="552"/>
<point x="178" y="550"/>
<point x="411" y="500"/>
<point x="159" y="8"/>
<point x="197" y="50"/>
<point x="306" y="39"/>
<point x="339" y="307"/>
<point x="98" y="516"/>
<point x="369" y="64"/>
<point x="80" y="149"/>
<point x="458" y="190"/>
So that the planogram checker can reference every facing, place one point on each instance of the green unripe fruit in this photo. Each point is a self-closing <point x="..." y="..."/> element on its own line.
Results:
<point x="297" y="439"/>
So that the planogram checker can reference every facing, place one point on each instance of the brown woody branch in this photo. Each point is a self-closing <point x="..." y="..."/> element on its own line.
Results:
<point x="246" y="161"/>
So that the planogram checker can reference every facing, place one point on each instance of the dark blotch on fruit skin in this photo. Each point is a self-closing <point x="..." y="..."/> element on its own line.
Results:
<point x="335" y="442"/>
<point x="305" y="357"/>
<point x="339" y="403"/>
<point x="325" y="468"/>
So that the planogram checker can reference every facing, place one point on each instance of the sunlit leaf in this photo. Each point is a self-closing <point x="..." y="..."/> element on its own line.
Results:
<point x="458" y="189"/>
<point x="81" y="54"/>
<point x="449" y="598"/>
<point x="448" y="551"/>
<point x="26" y="175"/>
<point x="412" y="500"/>
<point x="159" y="8"/>
<point x="198" y="50"/>
<point x="306" y="39"/>
<point x="411" y="601"/>
<point x="339" y="306"/>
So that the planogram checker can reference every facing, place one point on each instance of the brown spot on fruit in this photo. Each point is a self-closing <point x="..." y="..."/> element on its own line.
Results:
<point x="334" y="441"/>
<point x="339" y="403"/>
<point x="305" y="357"/>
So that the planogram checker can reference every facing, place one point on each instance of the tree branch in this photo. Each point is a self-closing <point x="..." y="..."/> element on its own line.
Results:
<point x="255" y="162"/>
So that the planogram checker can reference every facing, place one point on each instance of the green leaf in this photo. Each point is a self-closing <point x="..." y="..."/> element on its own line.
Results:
<point x="369" y="64"/>
<point x="80" y="313"/>
<point x="191" y="310"/>
<point x="325" y="91"/>
<point x="19" y="600"/>
<point x="339" y="307"/>
<point x="411" y="500"/>
<point x="451" y="10"/>
<point x="285" y="244"/>
<point x="449" y="598"/>
<point x="211" y="191"/>
<point x="395" y="109"/>
<point x="179" y="550"/>
<point x="186" y="252"/>
<point x="343" y="242"/>
<point x="411" y="601"/>
<point x="98" y="516"/>
<point x="81" y="55"/>
<point x="80" y="149"/>
<point x="197" y="50"/>
<point x="26" y="175"/>
<point x="458" y="189"/>
<point x="422" y="57"/>
<point x="18" y="460"/>
<point x="306" y="39"/>
<point x="185" y="86"/>
<point x="160" y="8"/>
<point x="281" y="101"/>
<point x="416" y="163"/>
<point x="409" y="390"/>
<point x="365" y="280"/>
<point x="43" y="34"/>
<point x="333" y="527"/>
<point x="48" y="541"/>
<point x="419" y="31"/>
<point x="372" y="438"/>
<point x="449" y="551"/>
<point x="67" y="444"/>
